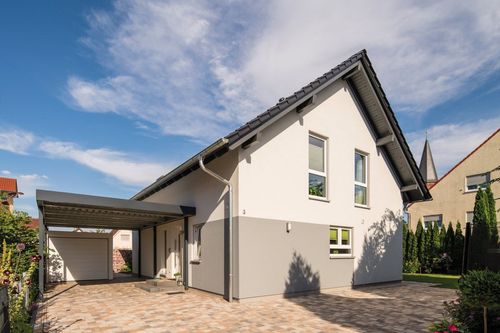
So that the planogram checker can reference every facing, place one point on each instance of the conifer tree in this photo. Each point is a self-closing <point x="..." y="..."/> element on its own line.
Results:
<point x="405" y="242"/>
<point x="449" y="241"/>
<point x="458" y="248"/>
<point x="481" y="235"/>
<point x="421" y="243"/>
<point x="492" y="218"/>
<point x="442" y="237"/>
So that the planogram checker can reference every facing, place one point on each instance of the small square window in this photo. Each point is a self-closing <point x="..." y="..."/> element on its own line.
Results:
<point x="345" y="247"/>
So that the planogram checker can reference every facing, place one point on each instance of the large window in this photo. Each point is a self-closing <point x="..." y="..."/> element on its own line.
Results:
<point x="360" y="179"/>
<point x="317" y="167"/>
<point x="197" y="241"/>
<point x="475" y="182"/>
<point x="430" y="220"/>
<point x="340" y="242"/>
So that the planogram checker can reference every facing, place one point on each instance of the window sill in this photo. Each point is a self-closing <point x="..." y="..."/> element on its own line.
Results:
<point x="362" y="206"/>
<point x="342" y="257"/>
<point x="471" y="191"/>
<point x="195" y="262"/>
<point x="312" y="197"/>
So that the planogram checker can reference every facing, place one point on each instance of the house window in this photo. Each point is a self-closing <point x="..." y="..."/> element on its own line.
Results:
<point x="475" y="182"/>
<point x="360" y="179"/>
<point x="429" y="220"/>
<point x="469" y="216"/>
<point x="340" y="242"/>
<point x="125" y="237"/>
<point x="197" y="241"/>
<point x="317" y="167"/>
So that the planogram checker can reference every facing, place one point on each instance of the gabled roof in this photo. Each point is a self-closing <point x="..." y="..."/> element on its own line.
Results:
<point x="8" y="184"/>
<point x="427" y="167"/>
<point x="466" y="157"/>
<point x="358" y="72"/>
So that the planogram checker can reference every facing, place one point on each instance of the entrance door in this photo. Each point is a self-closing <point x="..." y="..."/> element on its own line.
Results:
<point x="174" y="245"/>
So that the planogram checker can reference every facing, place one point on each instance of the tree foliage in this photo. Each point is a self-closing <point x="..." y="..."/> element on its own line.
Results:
<point x="492" y="216"/>
<point x="481" y="234"/>
<point x="14" y="230"/>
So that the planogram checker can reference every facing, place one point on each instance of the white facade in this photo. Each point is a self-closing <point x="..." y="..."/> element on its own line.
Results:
<point x="270" y="181"/>
<point x="273" y="175"/>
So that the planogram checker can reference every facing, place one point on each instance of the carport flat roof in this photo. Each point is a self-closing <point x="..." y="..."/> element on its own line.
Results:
<point x="63" y="209"/>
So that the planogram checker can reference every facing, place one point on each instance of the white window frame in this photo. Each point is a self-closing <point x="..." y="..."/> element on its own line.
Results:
<point x="340" y="246"/>
<point x="488" y="177"/>
<point x="365" y="185"/>
<point x="316" y="172"/>
<point x="197" y="246"/>
<point x="425" y="226"/>
<point x="472" y="213"/>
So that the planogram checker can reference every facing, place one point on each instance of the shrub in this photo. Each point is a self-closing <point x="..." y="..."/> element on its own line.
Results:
<point x="411" y="266"/>
<point x="478" y="303"/>
<point x="126" y="268"/>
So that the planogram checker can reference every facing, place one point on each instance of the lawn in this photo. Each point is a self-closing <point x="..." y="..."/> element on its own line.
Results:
<point x="443" y="280"/>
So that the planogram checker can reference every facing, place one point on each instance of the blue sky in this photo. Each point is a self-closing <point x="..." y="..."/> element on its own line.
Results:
<point x="104" y="97"/>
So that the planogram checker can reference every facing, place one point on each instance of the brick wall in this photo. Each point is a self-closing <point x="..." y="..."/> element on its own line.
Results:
<point x="120" y="258"/>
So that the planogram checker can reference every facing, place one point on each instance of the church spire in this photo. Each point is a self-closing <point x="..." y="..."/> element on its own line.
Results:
<point x="427" y="167"/>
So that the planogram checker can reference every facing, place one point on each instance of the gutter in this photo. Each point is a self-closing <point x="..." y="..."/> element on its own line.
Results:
<point x="178" y="170"/>
<point x="230" y="190"/>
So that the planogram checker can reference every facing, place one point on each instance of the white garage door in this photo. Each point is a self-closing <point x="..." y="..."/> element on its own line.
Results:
<point x="73" y="259"/>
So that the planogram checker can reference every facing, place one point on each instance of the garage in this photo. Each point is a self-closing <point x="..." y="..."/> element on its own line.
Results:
<point x="76" y="256"/>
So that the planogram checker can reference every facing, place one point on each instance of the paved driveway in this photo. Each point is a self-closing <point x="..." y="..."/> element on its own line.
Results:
<point x="120" y="307"/>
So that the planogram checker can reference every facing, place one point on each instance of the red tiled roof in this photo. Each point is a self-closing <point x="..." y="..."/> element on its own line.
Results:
<point x="34" y="224"/>
<point x="8" y="184"/>
<point x="466" y="157"/>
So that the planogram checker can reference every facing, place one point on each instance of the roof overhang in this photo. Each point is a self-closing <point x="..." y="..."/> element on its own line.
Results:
<point x="359" y="74"/>
<point x="63" y="209"/>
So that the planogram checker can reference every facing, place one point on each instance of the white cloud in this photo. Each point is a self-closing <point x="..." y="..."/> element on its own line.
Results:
<point x="450" y="143"/>
<point x="6" y="172"/>
<point x="199" y="69"/>
<point x="16" y="141"/>
<point x="119" y="165"/>
<point x="28" y="184"/>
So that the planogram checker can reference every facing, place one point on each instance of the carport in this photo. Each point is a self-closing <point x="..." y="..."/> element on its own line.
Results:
<point x="61" y="209"/>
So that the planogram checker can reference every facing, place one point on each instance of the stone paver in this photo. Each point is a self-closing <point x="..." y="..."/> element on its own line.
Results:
<point x="119" y="307"/>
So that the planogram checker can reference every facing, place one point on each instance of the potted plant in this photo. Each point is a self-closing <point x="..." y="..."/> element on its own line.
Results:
<point x="178" y="278"/>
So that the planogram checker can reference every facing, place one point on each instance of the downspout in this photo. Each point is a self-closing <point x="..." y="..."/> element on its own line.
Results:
<point x="230" y="189"/>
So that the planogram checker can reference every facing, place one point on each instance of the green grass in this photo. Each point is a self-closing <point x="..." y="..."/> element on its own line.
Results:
<point x="442" y="280"/>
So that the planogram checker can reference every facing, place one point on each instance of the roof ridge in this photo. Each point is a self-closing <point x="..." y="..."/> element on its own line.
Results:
<point x="466" y="157"/>
<point x="283" y="102"/>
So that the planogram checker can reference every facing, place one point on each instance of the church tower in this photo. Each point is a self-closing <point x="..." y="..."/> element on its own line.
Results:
<point x="427" y="167"/>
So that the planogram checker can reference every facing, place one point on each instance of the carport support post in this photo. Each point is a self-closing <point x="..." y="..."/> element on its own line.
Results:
<point x="154" y="253"/>
<point x="185" y="255"/>
<point x="41" y="252"/>
<point x="139" y="273"/>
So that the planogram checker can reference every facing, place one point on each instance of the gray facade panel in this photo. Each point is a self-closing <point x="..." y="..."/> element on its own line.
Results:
<point x="273" y="261"/>
<point x="209" y="273"/>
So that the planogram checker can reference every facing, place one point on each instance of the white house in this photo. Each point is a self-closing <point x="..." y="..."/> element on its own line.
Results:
<point x="306" y="196"/>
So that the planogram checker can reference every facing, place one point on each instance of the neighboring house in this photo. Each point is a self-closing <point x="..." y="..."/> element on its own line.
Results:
<point x="454" y="193"/>
<point x="8" y="191"/>
<point x="319" y="182"/>
<point x="122" y="239"/>
<point x="122" y="249"/>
